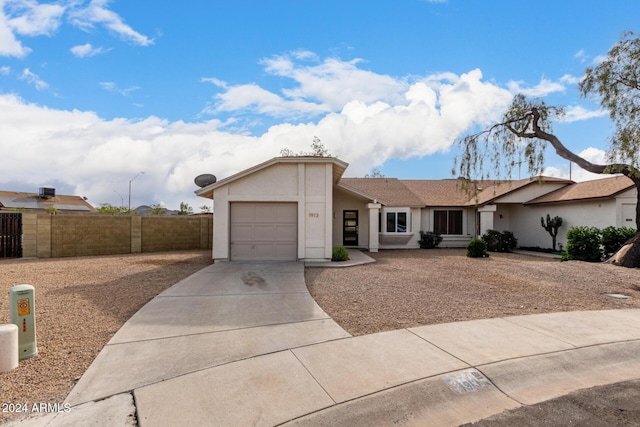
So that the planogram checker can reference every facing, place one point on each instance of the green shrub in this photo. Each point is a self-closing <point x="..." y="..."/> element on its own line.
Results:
<point x="583" y="244"/>
<point x="339" y="254"/>
<point x="500" y="242"/>
<point x="429" y="240"/>
<point x="477" y="248"/>
<point x="614" y="238"/>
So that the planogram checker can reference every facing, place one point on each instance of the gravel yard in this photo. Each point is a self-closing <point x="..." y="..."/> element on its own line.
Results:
<point x="407" y="288"/>
<point x="80" y="303"/>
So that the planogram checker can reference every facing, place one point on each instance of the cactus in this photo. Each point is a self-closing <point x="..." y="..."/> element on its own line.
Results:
<point x="552" y="225"/>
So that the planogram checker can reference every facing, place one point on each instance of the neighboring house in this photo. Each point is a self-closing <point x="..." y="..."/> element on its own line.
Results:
<point x="291" y="208"/>
<point x="45" y="201"/>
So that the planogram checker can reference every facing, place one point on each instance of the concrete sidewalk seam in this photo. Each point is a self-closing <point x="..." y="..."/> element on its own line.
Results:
<point x="314" y="378"/>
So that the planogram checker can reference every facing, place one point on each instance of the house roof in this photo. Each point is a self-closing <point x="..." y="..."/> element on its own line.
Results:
<point x="338" y="169"/>
<point x="22" y="200"/>
<point x="388" y="191"/>
<point x="443" y="192"/>
<point x="596" y="189"/>
<point x="498" y="189"/>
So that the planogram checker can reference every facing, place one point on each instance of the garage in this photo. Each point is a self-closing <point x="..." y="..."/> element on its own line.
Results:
<point x="263" y="231"/>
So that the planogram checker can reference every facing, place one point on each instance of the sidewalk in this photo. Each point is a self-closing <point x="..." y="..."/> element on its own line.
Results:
<point x="244" y="344"/>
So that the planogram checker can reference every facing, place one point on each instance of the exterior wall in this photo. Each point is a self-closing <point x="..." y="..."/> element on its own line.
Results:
<point x="525" y="220"/>
<point x="342" y="202"/>
<point x="310" y="185"/>
<point x="52" y="236"/>
<point x="626" y="209"/>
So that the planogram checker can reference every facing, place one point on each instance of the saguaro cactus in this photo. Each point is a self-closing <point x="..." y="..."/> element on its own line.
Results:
<point x="552" y="225"/>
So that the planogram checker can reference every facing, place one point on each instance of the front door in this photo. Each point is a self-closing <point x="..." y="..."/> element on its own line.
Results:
<point x="350" y="228"/>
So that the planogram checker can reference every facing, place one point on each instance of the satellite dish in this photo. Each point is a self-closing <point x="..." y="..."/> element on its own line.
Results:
<point x="205" y="179"/>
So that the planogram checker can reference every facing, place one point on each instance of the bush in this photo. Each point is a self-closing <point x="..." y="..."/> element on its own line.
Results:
<point x="613" y="238"/>
<point x="500" y="242"/>
<point x="429" y="240"/>
<point x="583" y="244"/>
<point x="339" y="254"/>
<point x="477" y="248"/>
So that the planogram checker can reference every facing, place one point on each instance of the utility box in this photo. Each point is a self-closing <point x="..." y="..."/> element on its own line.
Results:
<point x="23" y="315"/>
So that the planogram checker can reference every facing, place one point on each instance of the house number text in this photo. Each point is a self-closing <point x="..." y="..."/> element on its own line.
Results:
<point x="314" y="215"/>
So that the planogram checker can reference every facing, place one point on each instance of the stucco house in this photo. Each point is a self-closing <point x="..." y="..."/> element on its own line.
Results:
<point x="299" y="208"/>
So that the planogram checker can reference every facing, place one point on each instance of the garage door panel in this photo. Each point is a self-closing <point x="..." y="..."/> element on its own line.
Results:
<point x="286" y="233"/>
<point x="286" y="251"/>
<point x="287" y="213"/>
<point x="241" y="251"/>
<point x="242" y="233"/>
<point x="265" y="213"/>
<point x="264" y="231"/>
<point x="243" y="212"/>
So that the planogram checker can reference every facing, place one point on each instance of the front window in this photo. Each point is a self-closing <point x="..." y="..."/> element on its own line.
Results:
<point x="447" y="222"/>
<point x="397" y="222"/>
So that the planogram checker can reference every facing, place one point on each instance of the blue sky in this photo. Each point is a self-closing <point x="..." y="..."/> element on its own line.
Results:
<point x="94" y="92"/>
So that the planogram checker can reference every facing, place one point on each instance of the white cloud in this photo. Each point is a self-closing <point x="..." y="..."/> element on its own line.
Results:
<point x="216" y="82"/>
<point x="113" y="87"/>
<point x="87" y="50"/>
<point x="382" y="118"/>
<point x="33" y="79"/>
<point x="97" y="13"/>
<point x="580" y="55"/>
<point x="27" y="18"/>
<point x="578" y="113"/>
<point x="576" y="173"/>
<point x="544" y="88"/>
<point x="5" y="70"/>
<point x="347" y="81"/>
<point x="33" y="19"/>
<point x="568" y="78"/>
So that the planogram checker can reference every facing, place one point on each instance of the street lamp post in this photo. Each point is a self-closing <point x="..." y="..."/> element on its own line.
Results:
<point x="130" y="181"/>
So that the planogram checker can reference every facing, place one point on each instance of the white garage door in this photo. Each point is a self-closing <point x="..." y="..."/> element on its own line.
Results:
<point x="264" y="231"/>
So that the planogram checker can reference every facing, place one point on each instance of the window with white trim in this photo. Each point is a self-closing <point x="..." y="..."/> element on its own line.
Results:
<point x="395" y="222"/>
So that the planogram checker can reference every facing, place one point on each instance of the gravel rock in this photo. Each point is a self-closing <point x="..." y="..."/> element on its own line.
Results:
<point x="80" y="304"/>
<point x="407" y="288"/>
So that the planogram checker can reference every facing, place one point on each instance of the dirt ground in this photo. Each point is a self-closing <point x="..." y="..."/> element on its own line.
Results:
<point x="80" y="303"/>
<point x="407" y="288"/>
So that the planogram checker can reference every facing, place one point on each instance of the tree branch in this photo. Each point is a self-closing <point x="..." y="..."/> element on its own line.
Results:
<point x="565" y="153"/>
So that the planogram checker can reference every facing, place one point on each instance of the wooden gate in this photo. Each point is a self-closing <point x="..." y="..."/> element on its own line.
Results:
<point x="10" y="235"/>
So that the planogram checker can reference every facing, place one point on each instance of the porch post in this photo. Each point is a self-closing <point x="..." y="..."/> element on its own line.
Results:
<point x="486" y="218"/>
<point x="374" y="209"/>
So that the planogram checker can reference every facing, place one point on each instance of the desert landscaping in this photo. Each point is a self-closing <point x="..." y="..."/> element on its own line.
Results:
<point x="81" y="302"/>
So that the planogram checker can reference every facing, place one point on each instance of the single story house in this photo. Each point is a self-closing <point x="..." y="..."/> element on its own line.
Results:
<point x="45" y="201"/>
<point x="299" y="208"/>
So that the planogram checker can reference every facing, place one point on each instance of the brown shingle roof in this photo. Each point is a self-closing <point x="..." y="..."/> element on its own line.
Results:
<point x="498" y="189"/>
<point x="22" y="200"/>
<point x="596" y="189"/>
<point x="389" y="191"/>
<point x="444" y="192"/>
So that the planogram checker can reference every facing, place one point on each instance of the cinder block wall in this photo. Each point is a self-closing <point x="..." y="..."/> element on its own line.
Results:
<point x="171" y="233"/>
<point x="90" y="235"/>
<point x="52" y="236"/>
